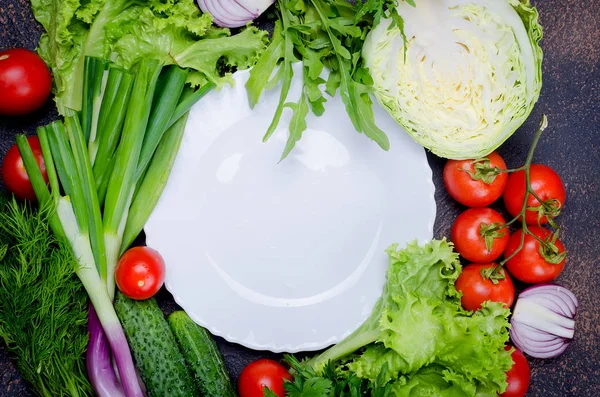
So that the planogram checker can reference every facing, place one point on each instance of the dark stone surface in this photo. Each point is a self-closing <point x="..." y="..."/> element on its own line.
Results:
<point x="570" y="98"/>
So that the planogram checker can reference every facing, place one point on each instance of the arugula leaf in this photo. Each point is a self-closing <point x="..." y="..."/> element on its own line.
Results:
<point x="321" y="34"/>
<point x="354" y="95"/>
<point x="263" y="69"/>
<point x="297" y="125"/>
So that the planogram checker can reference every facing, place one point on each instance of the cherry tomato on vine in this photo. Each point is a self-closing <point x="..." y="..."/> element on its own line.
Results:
<point x="260" y="374"/>
<point x="25" y="82"/>
<point x="140" y="273"/>
<point x="519" y="376"/>
<point x="533" y="263"/>
<point x="474" y="235"/>
<point x="474" y="183"/>
<point x="15" y="176"/>
<point x="476" y="289"/>
<point x="545" y="182"/>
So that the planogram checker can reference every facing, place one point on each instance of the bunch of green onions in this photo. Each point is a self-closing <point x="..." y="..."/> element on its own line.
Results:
<point x="107" y="166"/>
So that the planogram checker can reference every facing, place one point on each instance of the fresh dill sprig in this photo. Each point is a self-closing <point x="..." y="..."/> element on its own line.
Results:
<point x="43" y="307"/>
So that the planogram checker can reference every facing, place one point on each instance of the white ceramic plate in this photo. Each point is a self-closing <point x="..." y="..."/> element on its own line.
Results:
<point x="285" y="256"/>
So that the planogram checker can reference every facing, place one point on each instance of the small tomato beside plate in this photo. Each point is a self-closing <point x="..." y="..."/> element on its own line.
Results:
<point x="140" y="273"/>
<point x="261" y="374"/>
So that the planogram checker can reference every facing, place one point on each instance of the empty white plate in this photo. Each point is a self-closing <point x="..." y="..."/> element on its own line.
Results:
<point x="285" y="256"/>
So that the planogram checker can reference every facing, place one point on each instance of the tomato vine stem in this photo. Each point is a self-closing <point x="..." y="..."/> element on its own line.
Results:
<point x="528" y="190"/>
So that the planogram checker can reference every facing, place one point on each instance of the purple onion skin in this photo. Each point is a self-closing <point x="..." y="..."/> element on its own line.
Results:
<point x="124" y="360"/>
<point x="538" y="343"/>
<point x="98" y="360"/>
<point x="219" y="11"/>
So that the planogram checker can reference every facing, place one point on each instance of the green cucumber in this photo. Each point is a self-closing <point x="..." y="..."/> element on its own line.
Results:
<point x="155" y="351"/>
<point x="202" y="356"/>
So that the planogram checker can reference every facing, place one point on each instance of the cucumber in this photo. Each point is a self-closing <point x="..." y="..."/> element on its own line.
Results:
<point x="154" y="349"/>
<point x="202" y="356"/>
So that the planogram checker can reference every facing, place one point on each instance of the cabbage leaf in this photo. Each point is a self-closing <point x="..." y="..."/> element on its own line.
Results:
<point x="467" y="77"/>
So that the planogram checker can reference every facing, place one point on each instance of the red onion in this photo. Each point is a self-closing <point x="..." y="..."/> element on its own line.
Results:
<point x="543" y="320"/>
<point x="234" y="13"/>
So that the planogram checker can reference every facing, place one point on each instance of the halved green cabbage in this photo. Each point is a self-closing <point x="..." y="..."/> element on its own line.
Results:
<point x="473" y="72"/>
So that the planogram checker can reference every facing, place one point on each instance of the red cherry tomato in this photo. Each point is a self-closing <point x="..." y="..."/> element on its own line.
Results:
<point x="25" y="82"/>
<point x="474" y="192"/>
<point x="544" y="181"/>
<point x="476" y="289"/>
<point x="140" y="273"/>
<point x="529" y="265"/>
<point x="14" y="175"/>
<point x="260" y="374"/>
<point x="518" y="376"/>
<point x="469" y="241"/>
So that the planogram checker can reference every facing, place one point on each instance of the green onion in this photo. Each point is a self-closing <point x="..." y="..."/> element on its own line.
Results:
<point x="168" y="91"/>
<point x="86" y="176"/>
<point x="93" y="72"/>
<point x="154" y="182"/>
<point x="113" y="111"/>
<point x="111" y="114"/>
<point x="121" y="185"/>
<point x="189" y="97"/>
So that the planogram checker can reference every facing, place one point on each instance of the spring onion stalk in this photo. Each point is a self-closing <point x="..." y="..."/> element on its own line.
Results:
<point x="189" y="97"/>
<point x="86" y="176"/>
<point x="154" y="182"/>
<point x="121" y="185"/>
<point x="153" y="179"/>
<point x="67" y="223"/>
<point x="168" y="91"/>
<point x="92" y="95"/>
<point x="111" y="114"/>
<point x="98" y="360"/>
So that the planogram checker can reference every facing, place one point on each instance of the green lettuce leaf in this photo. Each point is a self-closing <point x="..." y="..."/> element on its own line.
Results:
<point x="240" y="51"/>
<point x="61" y="44"/>
<point x="419" y="331"/>
<point x="125" y="31"/>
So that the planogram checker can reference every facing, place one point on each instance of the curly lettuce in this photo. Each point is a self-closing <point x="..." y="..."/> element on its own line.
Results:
<point x="126" y="31"/>
<point x="419" y="341"/>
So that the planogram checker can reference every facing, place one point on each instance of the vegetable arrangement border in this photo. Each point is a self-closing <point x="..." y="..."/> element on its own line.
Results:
<point x="126" y="73"/>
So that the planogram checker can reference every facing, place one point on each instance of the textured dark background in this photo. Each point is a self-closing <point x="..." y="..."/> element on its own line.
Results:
<point x="571" y="99"/>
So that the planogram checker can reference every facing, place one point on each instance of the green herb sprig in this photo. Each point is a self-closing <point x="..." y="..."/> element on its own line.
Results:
<point x="43" y="306"/>
<point x="321" y="34"/>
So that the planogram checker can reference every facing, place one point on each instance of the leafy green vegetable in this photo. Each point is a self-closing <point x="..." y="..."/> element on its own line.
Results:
<point x="467" y="77"/>
<point x="321" y="34"/>
<point x="418" y="340"/>
<point x="43" y="307"/>
<point x="126" y="31"/>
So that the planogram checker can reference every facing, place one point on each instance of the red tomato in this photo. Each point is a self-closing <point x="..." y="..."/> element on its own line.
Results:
<point x="518" y="376"/>
<point x="469" y="241"/>
<point x="476" y="289"/>
<point x="140" y="273"/>
<point x="15" y="176"/>
<point x="544" y="181"/>
<point x="25" y="82"/>
<point x="471" y="192"/>
<point x="529" y="265"/>
<point x="260" y="374"/>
